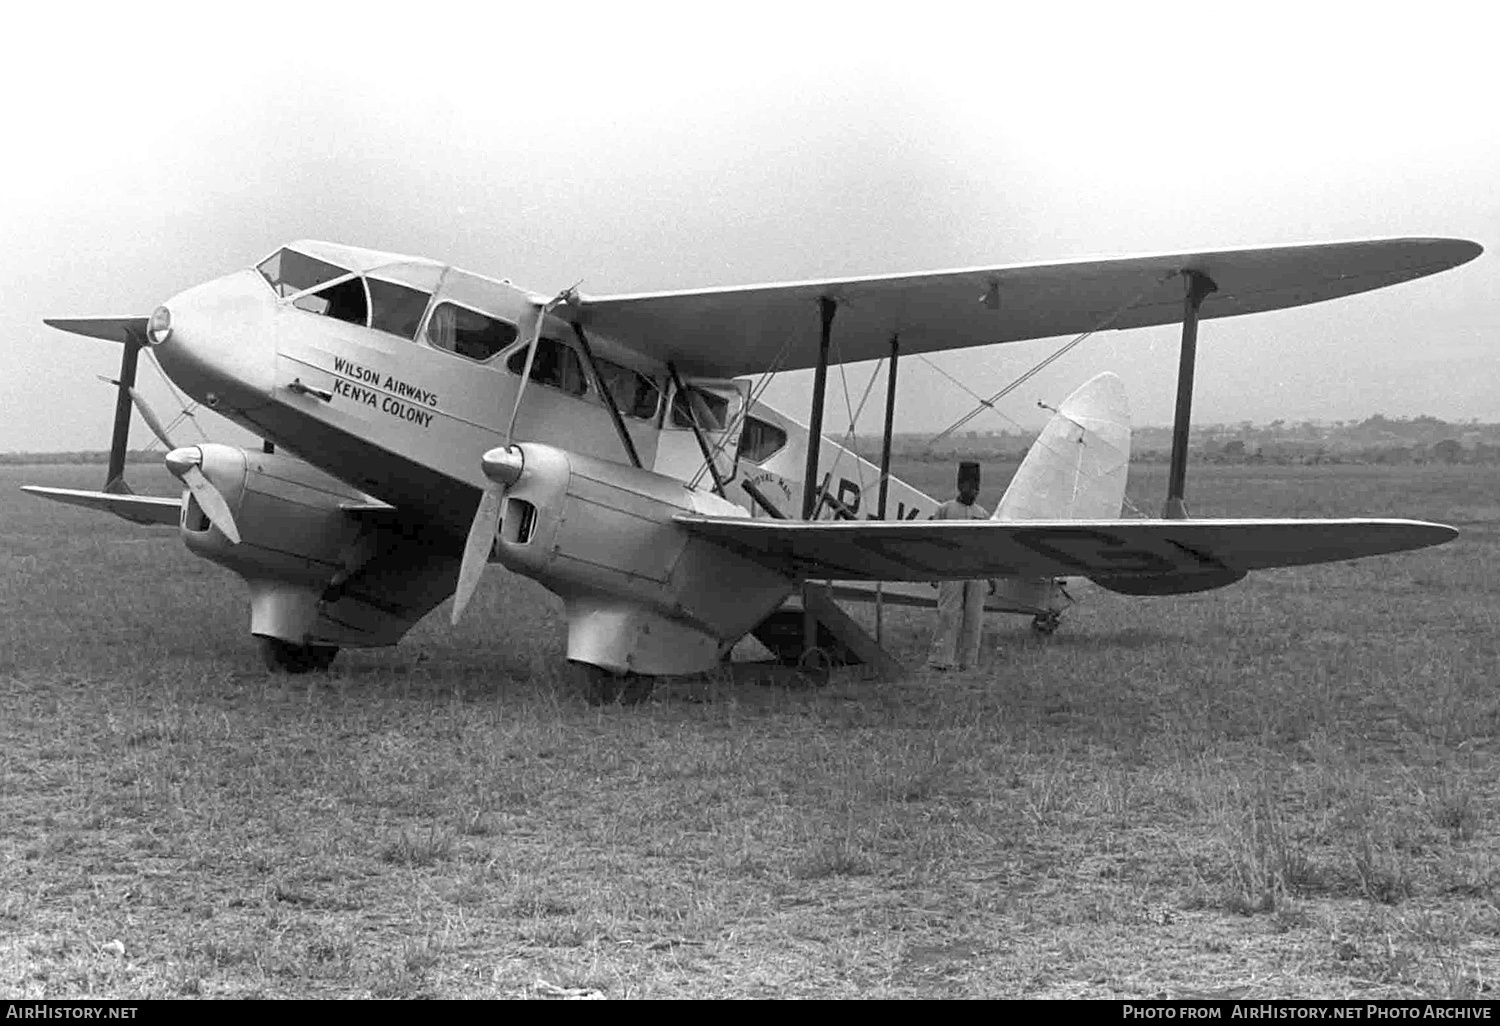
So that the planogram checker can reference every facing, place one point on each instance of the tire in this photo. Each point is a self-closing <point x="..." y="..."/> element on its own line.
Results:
<point x="601" y="687"/>
<point x="815" y="667"/>
<point x="285" y="657"/>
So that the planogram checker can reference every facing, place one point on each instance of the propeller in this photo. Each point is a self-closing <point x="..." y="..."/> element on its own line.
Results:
<point x="186" y="464"/>
<point x="503" y="467"/>
<point x="149" y="416"/>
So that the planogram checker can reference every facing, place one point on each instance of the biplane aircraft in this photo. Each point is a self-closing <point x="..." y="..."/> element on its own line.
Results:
<point x="421" y="421"/>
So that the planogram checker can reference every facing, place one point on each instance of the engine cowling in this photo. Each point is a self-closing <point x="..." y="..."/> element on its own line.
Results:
<point x="642" y="595"/>
<point x="296" y="542"/>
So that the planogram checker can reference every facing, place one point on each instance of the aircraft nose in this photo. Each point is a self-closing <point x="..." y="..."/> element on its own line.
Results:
<point x="217" y="342"/>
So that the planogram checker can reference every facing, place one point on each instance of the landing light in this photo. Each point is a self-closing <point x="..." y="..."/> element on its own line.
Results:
<point x="159" y="327"/>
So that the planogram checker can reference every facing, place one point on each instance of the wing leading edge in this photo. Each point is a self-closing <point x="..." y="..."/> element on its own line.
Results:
<point x="733" y="331"/>
<point x="111" y="329"/>
<point x="141" y="509"/>
<point x="1139" y="556"/>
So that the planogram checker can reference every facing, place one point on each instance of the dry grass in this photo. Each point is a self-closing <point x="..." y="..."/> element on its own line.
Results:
<point x="1286" y="788"/>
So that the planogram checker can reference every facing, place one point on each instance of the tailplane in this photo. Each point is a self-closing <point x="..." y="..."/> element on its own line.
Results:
<point x="1077" y="467"/>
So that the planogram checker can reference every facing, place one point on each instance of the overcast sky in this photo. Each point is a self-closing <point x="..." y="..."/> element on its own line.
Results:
<point x="670" y="147"/>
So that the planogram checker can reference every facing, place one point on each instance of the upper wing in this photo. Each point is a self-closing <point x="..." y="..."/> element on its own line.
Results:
<point x="111" y="329"/>
<point x="1157" y="555"/>
<point x="142" y="509"/>
<point x="731" y="331"/>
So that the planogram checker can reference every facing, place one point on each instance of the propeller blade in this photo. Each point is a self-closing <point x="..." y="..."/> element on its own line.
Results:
<point x="504" y="467"/>
<point x="186" y="465"/>
<point x="212" y="502"/>
<point x="477" y="548"/>
<point x="149" y="416"/>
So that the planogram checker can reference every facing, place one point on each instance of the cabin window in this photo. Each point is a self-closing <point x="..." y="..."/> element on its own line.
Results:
<point x="760" y="441"/>
<point x="289" y="272"/>
<point x="467" y="332"/>
<point x="343" y="302"/>
<point x="556" y="365"/>
<point x="396" y="308"/>
<point x="634" y="394"/>
<point x="712" y="410"/>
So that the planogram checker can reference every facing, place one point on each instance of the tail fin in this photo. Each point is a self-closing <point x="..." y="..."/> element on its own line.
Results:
<point x="1077" y="467"/>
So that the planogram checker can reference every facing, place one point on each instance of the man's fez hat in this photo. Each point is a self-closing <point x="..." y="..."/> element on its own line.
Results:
<point x="968" y="472"/>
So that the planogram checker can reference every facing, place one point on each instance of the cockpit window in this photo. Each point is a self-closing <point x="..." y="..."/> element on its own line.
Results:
<point x="634" y="394"/>
<point x="555" y="365"/>
<point x="467" y="332"/>
<point x="760" y="441"/>
<point x="343" y="302"/>
<point x="712" y="410"/>
<point x="396" y="308"/>
<point x="288" y="272"/>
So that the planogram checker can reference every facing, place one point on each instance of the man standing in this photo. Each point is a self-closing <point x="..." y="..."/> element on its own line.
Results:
<point x="960" y="608"/>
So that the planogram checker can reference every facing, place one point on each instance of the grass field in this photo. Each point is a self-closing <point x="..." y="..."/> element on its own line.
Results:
<point x="1286" y="788"/>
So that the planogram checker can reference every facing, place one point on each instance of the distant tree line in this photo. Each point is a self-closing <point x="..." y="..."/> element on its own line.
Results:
<point x="24" y="459"/>
<point x="1376" y="439"/>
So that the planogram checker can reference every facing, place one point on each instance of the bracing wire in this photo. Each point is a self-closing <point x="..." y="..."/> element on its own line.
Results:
<point x="1038" y="368"/>
<point x="972" y="394"/>
<point x="766" y="377"/>
<point x="187" y="404"/>
<point x="850" y="437"/>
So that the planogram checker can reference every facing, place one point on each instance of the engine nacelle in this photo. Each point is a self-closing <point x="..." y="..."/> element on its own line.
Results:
<point x="295" y="539"/>
<point x="642" y="594"/>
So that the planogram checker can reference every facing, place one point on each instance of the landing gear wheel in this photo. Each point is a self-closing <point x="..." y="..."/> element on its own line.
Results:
<point x="285" y="657"/>
<point x="602" y="687"/>
<point x="815" y="665"/>
<point x="1046" y="624"/>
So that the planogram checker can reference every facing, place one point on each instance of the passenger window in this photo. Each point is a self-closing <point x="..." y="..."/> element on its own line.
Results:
<point x="712" y="410"/>
<point x="635" y="394"/>
<point x="343" y="302"/>
<point x="288" y="272"/>
<point x="760" y="441"/>
<point x="396" y="308"/>
<point x="555" y="365"/>
<point x="467" y="332"/>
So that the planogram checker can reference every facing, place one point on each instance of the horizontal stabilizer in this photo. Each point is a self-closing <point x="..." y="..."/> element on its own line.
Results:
<point x="141" y="509"/>
<point x="1155" y="553"/>
<point x="111" y="329"/>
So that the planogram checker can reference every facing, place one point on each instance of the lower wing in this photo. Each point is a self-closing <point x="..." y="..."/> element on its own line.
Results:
<point x="142" y="509"/>
<point x="1134" y="556"/>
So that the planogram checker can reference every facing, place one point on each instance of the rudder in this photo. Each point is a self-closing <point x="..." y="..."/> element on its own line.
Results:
<point x="1076" y="469"/>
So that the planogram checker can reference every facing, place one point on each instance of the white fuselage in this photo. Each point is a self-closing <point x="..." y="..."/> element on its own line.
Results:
<point x="405" y="420"/>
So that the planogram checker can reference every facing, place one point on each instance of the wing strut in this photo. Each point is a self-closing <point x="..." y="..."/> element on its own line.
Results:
<point x="1199" y="285"/>
<point x="885" y="467"/>
<point x="609" y="400"/>
<point x="687" y="401"/>
<point x="114" y="476"/>
<point x="890" y="420"/>
<point x="827" y="307"/>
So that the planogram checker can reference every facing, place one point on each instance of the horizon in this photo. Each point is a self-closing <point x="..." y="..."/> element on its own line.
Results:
<point x="136" y="454"/>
